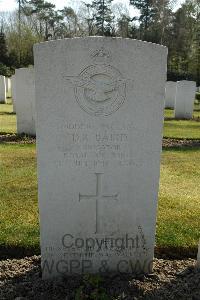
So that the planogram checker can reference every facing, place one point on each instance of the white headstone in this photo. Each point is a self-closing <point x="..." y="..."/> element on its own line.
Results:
<point x="99" y="130"/>
<point x="2" y="89"/>
<point x="13" y="92"/>
<point x="8" y="84"/>
<point x="185" y="96"/>
<point x="25" y="100"/>
<point x="170" y="94"/>
<point x="8" y="87"/>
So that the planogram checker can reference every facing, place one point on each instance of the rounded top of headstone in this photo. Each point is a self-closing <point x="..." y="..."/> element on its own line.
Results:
<point x="103" y="40"/>
<point x="186" y="82"/>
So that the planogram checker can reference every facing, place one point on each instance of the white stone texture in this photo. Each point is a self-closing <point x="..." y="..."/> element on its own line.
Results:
<point x="99" y="134"/>
<point x="185" y="96"/>
<point x="25" y="100"/>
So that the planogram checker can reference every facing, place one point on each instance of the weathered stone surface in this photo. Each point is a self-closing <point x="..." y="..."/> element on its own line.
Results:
<point x="99" y="131"/>
<point x="185" y="96"/>
<point x="170" y="94"/>
<point x="25" y="100"/>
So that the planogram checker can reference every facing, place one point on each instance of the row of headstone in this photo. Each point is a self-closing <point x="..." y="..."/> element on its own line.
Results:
<point x="22" y="88"/>
<point x="23" y="95"/>
<point x="180" y="96"/>
<point x="99" y="135"/>
<point x="5" y="89"/>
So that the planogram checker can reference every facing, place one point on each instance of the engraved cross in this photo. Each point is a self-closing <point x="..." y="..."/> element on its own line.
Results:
<point x="97" y="198"/>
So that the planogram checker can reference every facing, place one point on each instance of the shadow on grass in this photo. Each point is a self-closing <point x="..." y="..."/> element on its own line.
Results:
<point x="184" y="148"/>
<point x="7" y="113"/>
<point x="16" y="138"/>
<point x="180" y="144"/>
<point x="176" y="252"/>
<point x="196" y="119"/>
<point x="9" y="252"/>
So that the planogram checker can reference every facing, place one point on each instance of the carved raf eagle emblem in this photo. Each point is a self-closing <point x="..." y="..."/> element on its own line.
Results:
<point x="100" y="88"/>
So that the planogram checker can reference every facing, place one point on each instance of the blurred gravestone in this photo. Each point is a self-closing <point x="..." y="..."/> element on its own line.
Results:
<point x="25" y="100"/>
<point x="185" y="96"/>
<point x="8" y="87"/>
<point x="170" y="94"/>
<point x="2" y="89"/>
<point x="13" y="92"/>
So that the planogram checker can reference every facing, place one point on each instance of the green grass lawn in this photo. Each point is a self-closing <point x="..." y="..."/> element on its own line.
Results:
<point x="7" y="119"/>
<point x="179" y="198"/>
<point x="18" y="196"/>
<point x="188" y="129"/>
<point x="181" y="129"/>
<point x="178" y="224"/>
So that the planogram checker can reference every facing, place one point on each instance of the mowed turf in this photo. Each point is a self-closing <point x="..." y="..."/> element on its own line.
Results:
<point x="179" y="198"/>
<point x="187" y="129"/>
<point x="18" y="196"/>
<point x="178" y="224"/>
<point x="182" y="129"/>
<point x="7" y="119"/>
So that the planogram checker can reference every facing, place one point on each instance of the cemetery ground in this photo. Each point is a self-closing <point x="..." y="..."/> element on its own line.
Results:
<point x="178" y="222"/>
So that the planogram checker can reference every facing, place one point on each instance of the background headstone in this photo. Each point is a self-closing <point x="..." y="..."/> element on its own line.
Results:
<point x="170" y="94"/>
<point x="185" y="96"/>
<point x="8" y="87"/>
<point x="99" y="132"/>
<point x="13" y="92"/>
<point x="25" y="100"/>
<point x="2" y="89"/>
